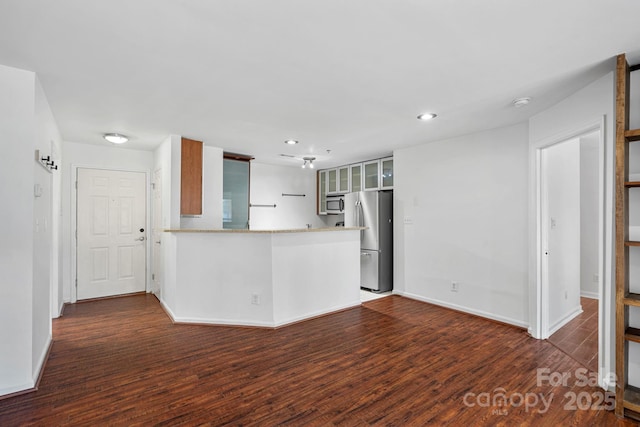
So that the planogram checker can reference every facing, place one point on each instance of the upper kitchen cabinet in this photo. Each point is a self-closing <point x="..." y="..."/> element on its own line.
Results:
<point x="356" y="177"/>
<point x="332" y="181"/>
<point x="371" y="175"/>
<point x="322" y="193"/>
<point x="343" y="180"/>
<point x="386" y="171"/>
<point x="191" y="177"/>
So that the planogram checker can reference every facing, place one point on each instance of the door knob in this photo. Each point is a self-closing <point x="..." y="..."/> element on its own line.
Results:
<point x="141" y="238"/>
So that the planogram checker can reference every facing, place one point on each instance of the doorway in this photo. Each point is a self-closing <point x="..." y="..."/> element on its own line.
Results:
<point x="570" y="182"/>
<point x="156" y="234"/>
<point x="111" y="235"/>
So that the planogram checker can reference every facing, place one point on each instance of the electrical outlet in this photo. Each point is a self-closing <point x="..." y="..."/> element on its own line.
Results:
<point x="454" y="286"/>
<point x="255" y="299"/>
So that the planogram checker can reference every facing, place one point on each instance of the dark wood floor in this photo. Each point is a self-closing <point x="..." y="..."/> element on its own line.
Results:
<point x="579" y="337"/>
<point x="392" y="361"/>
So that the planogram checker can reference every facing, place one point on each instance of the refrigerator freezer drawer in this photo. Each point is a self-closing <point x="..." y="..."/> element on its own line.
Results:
<point x="369" y="261"/>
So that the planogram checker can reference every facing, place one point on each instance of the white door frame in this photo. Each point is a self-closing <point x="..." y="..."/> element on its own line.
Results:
<point x="539" y="323"/>
<point x="74" y="224"/>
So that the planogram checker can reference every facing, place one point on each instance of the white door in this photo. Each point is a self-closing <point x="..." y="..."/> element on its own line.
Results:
<point x="156" y="232"/>
<point x="561" y="232"/>
<point x="111" y="217"/>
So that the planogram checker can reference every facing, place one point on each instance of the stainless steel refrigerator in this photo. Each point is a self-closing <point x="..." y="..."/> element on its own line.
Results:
<point x="374" y="210"/>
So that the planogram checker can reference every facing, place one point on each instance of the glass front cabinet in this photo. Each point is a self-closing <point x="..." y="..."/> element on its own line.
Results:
<point x="372" y="175"/>
<point x="367" y="176"/>
<point x="343" y="180"/>
<point x="386" y="174"/>
<point x="332" y="181"/>
<point x="356" y="177"/>
<point x="322" y="192"/>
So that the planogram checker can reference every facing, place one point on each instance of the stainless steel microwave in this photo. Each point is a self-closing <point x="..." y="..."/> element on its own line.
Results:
<point x="335" y="204"/>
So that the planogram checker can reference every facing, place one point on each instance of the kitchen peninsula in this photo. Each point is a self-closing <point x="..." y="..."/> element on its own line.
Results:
<point x="265" y="278"/>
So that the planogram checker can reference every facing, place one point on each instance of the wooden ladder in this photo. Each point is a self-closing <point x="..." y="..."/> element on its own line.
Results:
<point x="627" y="396"/>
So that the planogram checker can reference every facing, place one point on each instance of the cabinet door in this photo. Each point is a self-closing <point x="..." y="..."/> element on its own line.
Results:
<point x="356" y="177"/>
<point x="322" y="193"/>
<point x="191" y="177"/>
<point x="372" y="175"/>
<point x="386" y="170"/>
<point x="332" y="184"/>
<point x="343" y="180"/>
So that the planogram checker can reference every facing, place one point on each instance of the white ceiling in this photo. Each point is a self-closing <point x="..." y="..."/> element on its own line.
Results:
<point x="346" y="76"/>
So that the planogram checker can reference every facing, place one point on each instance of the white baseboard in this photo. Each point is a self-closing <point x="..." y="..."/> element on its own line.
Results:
<point x="36" y="374"/>
<point x="480" y="313"/>
<point x="316" y="314"/>
<point x="565" y="319"/>
<point x="588" y="294"/>
<point x="225" y="322"/>
<point x="42" y="360"/>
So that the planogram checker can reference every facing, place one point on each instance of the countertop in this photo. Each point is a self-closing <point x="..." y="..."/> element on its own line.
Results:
<point x="244" y="231"/>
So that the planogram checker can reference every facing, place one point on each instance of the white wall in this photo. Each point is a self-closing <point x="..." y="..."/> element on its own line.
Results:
<point x="49" y="142"/>
<point x="208" y="280"/>
<point x="170" y="186"/>
<point x="98" y="157"/>
<point x="589" y="215"/>
<point x="570" y="117"/>
<point x="268" y="183"/>
<point x="460" y="209"/>
<point x="561" y="230"/>
<point x="28" y="228"/>
<point x="46" y="297"/>
<point x="16" y="252"/>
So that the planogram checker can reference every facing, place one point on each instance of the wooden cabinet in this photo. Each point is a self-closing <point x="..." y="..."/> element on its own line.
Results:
<point x="356" y="177"/>
<point x="386" y="173"/>
<point x="191" y="177"/>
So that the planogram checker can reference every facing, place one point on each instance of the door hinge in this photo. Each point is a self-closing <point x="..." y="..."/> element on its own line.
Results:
<point x="76" y="283"/>
<point x="76" y="234"/>
<point x="153" y="185"/>
<point x="76" y="185"/>
<point x="153" y="276"/>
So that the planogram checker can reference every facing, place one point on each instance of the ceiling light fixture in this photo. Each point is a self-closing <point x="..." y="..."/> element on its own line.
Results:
<point x="308" y="160"/>
<point x="291" y="142"/>
<point x="115" y="138"/>
<point x="521" y="102"/>
<point x="427" y="116"/>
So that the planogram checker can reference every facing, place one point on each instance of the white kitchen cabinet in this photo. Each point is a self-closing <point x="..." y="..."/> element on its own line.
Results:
<point x="386" y="174"/>
<point x="343" y="180"/>
<point x="332" y="181"/>
<point x="371" y="175"/>
<point x="356" y="177"/>
<point x="322" y="193"/>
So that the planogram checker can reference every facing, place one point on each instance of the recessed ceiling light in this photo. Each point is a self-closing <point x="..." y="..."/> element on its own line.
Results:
<point x="291" y="142"/>
<point x="521" y="102"/>
<point x="427" y="116"/>
<point x="115" y="138"/>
